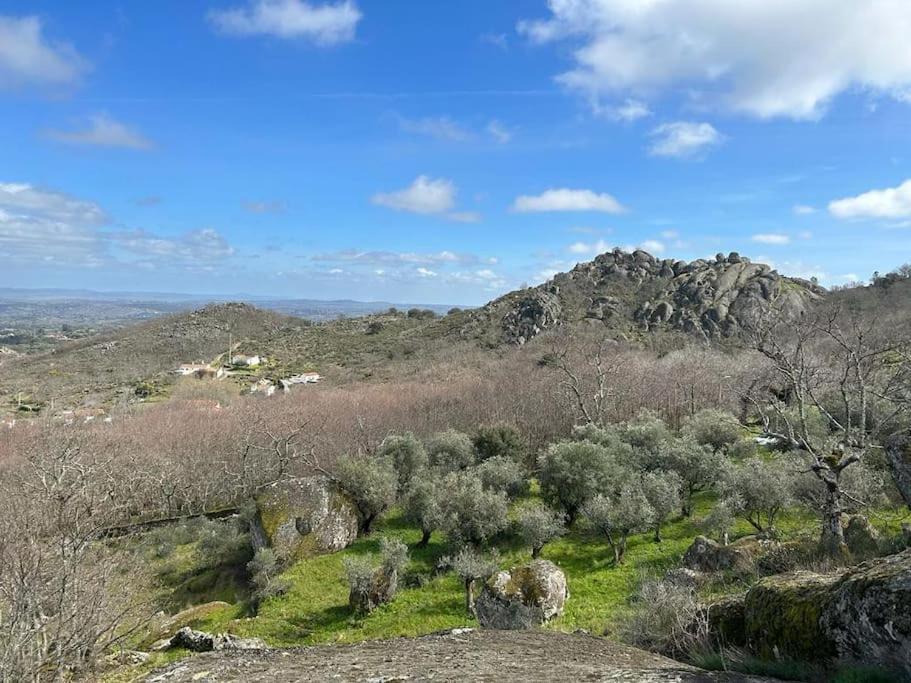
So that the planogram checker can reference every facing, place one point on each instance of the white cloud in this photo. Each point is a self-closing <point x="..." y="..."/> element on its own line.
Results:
<point x="194" y="247"/>
<point x="103" y="131"/>
<point x="425" y="272"/>
<point x="439" y="127"/>
<point x="764" y="57"/>
<point x="630" y="110"/>
<point x="377" y="258"/>
<point x="771" y="238"/>
<point x="652" y="246"/>
<point x="27" y="58"/>
<point x="464" y="216"/>
<point x="499" y="132"/>
<point x="803" y="210"/>
<point x="424" y="196"/>
<point x="588" y="248"/>
<point x="893" y="202"/>
<point x="25" y="199"/>
<point x="323" y="24"/>
<point x="683" y="139"/>
<point x="564" y="199"/>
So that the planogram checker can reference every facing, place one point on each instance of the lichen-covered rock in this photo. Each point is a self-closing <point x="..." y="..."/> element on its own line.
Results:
<point x="200" y="641"/>
<point x="868" y="613"/>
<point x="861" y="537"/>
<point x="782" y="613"/>
<point x="859" y="615"/>
<point x="705" y="555"/>
<point x="163" y="627"/>
<point x="682" y="576"/>
<point x="306" y="516"/>
<point x="523" y="597"/>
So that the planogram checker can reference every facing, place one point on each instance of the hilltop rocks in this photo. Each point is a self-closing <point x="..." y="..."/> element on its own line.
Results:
<point x="307" y="516"/>
<point x="709" y="298"/>
<point x="523" y="597"/>
<point x="862" y="614"/>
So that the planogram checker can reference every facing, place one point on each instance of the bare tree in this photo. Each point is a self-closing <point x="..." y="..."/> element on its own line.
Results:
<point x="850" y="368"/>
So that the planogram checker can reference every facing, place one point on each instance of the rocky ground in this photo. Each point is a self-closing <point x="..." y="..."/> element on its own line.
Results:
<point x="536" y="655"/>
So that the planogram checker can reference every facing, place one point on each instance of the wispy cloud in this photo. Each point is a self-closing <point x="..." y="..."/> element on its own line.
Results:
<point x="322" y="24"/>
<point x="29" y="58"/>
<point x="564" y="199"/>
<point x="103" y="131"/>
<point x="771" y="238"/>
<point x="262" y="207"/>
<point x="683" y="139"/>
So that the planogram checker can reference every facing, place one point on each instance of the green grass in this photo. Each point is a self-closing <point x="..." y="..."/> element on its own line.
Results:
<point x="315" y="609"/>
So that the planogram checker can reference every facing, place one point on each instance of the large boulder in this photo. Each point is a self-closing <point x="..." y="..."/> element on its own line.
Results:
<point x="523" y="597"/>
<point x="306" y="516"/>
<point x="705" y="555"/>
<point x="859" y="615"/>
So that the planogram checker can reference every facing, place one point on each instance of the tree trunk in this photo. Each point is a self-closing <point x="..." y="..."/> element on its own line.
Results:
<point x="469" y="597"/>
<point x="898" y="454"/>
<point x="536" y="552"/>
<point x="425" y="538"/>
<point x="657" y="533"/>
<point x="833" y="534"/>
<point x="622" y="546"/>
<point x="368" y="524"/>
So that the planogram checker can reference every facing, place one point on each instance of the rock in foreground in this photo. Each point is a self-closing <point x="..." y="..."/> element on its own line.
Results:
<point x="462" y="655"/>
<point x="524" y="597"/>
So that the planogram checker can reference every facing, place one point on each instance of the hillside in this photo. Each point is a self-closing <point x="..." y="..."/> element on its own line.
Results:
<point x="633" y="296"/>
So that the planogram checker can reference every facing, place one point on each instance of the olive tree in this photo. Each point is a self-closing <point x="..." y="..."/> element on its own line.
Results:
<point x="503" y="474"/>
<point x="470" y="566"/>
<point x="421" y="506"/>
<point x="407" y="455"/>
<point x="500" y="441"/>
<point x="451" y="451"/>
<point x="470" y="514"/>
<point x="662" y="490"/>
<point x="371" y="482"/>
<point x="573" y="472"/>
<point x="617" y="518"/>
<point x="758" y="490"/>
<point x="698" y="467"/>
<point x="538" y="525"/>
<point x="715" y="428"/>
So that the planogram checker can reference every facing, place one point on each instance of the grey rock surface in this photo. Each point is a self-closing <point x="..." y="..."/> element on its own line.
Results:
<point x="523" y="597"/>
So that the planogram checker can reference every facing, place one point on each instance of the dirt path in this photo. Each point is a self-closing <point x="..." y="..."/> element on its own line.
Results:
<point x="455" y="656"/>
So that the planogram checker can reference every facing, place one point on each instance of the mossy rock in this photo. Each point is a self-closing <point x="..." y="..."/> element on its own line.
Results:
<point x="781" y="616"/>
<point x="727" y="621"/>
<point x="524" y="597"/>
<point x="305" y="517"/>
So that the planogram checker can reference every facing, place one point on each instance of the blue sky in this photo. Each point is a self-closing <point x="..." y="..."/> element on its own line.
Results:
<point x="445" y="151"/>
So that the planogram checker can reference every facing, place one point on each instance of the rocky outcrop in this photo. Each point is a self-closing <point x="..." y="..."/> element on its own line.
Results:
<point x="200" y="641"/>
<point x="714" y="298"/>
<point x="859" y="615"/>
<point x="705" y="555"/>
<point x="307" y="516"/>
<point x="523" y="597"/>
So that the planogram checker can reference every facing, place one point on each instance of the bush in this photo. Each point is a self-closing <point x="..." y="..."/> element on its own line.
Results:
<point x="572" y="472"/>
<point x="469" y="514"/>
<point x="538" y="525"/>
<point x="715" y="428"/>
<point x="370" y="586"/>
<point x="407" y="455"/>
<point x="264" y="570"/>
<point x="743" y="448"/>
<point x="758" y="490"/>
<point x="222" y="543"/>
<point x="394" y="555"/>
<point x="666" y="618"/>
<point x="502" y="474"/>
<point x="662" y="490"/>
<point x="646" y="433"/>
<point x="371" y="483"/>
<point x="501" y="441"/>
<point x="451" y="451"/>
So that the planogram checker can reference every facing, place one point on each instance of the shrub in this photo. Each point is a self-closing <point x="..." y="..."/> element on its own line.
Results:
<point x="407" y="455"/>
<point x="264" y="570"/>
<point x="370" y="586"/>
<point x="538" y="525"/>
<point x="469" y="514"/>
<point x="758" y="490"/>
<point x="647" y="434"/>
<point x="666" y="618"/>
<point x="500" y="441"/>
<point x="502" y="474"/>
<point x="715" y="428"/>
<point x="451" y="451"/>
<point x="394" y="555"/>
<point x="570" y="473"/>
<point x="371" y="483"/>
<point x="222" y="543"/>
<point x="743" y="448"/>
